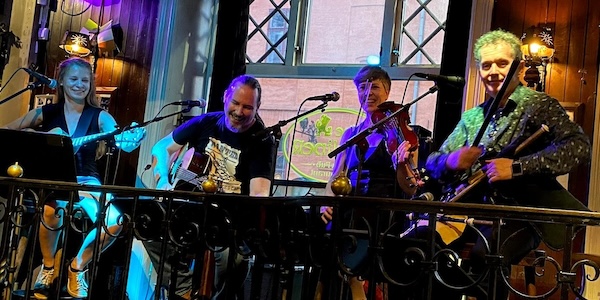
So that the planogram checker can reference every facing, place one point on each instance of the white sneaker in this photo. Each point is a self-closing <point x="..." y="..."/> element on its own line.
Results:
<point x="42" y="284"/>
<point x="76" y="285"/>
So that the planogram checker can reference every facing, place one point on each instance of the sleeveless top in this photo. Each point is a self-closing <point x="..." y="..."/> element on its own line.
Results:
<point x="85" y="159"/>
<point x="378" y="177"/>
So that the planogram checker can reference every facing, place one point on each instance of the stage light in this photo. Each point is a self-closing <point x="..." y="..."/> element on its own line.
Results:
<point x="76" y="43"/>
<point x="373" y="60"/>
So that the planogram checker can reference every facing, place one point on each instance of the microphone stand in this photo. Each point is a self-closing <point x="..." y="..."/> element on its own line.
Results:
<point x="129" y="127"/>
<point x="363" y="134"/>
<point x="30" y="86"/>
<point x="155" y="119"/>
<point x="275" y="131"/>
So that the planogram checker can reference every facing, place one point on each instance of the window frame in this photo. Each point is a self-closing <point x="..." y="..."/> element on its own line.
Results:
<point x="296" y="39"/>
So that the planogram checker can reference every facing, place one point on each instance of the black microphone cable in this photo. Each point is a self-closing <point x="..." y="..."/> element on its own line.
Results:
<point x="292" y="147"/>
<point x="146" y="168"/>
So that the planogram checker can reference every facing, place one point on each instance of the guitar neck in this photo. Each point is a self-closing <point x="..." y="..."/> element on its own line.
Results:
<point x="80" y="141"/>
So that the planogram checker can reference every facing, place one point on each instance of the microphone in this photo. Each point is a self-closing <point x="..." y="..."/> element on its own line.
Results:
<point x="200" y="103"/>
<point x="416" y="216"/>
<point x="442" y="78"/>
<point x="334" y="96"/>
<point x="51" y="83"/>
<point x="425" y="196"/>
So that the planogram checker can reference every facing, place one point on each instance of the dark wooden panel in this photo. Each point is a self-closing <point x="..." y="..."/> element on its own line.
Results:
<point x="558" y="68"/>
<point x="128" y="71"/>
<point x="579" y="182"/>
<point x="576" y="50"/>
<point x="590" y="64"/>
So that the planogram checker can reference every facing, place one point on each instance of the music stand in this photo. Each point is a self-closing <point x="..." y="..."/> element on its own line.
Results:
<point x="41" y="155"/>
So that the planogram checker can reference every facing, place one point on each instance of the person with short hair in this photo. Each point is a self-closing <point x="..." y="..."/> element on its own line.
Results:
<point x="528" y="178"/>
<point x="240" y="163"/>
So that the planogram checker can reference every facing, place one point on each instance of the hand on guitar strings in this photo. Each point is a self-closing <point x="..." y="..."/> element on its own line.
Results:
<point x="498" y="169"/>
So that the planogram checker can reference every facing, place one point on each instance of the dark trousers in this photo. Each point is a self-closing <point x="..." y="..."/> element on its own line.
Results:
<point x="517" y="240"/>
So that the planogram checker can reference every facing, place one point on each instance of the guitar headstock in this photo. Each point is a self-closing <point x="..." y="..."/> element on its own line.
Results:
<point x="55" y="130"/>
<point x="130" y="139"/>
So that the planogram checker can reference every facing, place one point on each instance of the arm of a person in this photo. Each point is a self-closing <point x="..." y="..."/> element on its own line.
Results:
<point x="339" y="166"/>
<point x="31" y="119"/>
<point x="161" y="153"/>
<point x="437" y="161"/>
<point x="260" y="187"/>
<point x="568" y="148"/>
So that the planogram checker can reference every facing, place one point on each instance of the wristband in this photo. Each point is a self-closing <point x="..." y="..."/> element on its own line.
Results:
<point x="517" y="169"/>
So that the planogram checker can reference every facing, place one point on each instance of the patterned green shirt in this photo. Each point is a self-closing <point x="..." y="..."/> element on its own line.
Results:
<point x="554" y="153"/>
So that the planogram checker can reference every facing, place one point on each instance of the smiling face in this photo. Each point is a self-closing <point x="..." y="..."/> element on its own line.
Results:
<point x="241" y="104"/>
<point x="76" y="83"/>
<point x="494" y="66"/>
<point x="378" y="94"/>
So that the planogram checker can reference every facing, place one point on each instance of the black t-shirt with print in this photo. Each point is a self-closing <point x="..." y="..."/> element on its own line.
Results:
<point x="235" y="158"/>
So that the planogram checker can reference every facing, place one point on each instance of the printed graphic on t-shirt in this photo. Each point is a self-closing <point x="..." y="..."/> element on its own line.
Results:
<point x="224" y="160"/>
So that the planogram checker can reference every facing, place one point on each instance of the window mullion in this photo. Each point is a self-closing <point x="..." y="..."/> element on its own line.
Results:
<point x="298" y="23"/>
<point x="397" y="33"/>
<point x="387" y="32"/>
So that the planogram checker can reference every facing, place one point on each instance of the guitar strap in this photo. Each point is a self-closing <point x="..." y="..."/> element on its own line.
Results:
<point x="84" y="122"/>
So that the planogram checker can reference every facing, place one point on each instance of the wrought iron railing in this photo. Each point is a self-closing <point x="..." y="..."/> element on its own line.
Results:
<point x="286" y="238"/>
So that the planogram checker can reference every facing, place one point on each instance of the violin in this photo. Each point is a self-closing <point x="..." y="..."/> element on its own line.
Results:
<point x="396" y="130"/>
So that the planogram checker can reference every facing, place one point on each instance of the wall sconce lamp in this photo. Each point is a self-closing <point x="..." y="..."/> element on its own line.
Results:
<point x="102" y="2"/>
<point x="538" y="50"/>
<point x="76" y="43"/>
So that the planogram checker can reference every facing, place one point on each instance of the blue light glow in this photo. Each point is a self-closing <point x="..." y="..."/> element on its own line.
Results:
<point x="373" y="60"/>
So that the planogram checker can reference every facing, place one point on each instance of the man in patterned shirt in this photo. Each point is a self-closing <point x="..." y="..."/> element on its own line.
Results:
<point x="532" y="174"/>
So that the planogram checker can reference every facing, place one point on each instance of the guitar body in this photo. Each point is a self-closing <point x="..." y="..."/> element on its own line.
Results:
<point x="188" y="170"/>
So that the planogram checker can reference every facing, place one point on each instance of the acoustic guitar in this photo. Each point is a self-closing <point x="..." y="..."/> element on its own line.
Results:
<point x="187" y="172"/>
<point x="189" y="167"/>
<point x="132" y="136"/>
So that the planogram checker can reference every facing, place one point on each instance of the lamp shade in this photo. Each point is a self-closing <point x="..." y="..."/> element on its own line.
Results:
<point x="76" y="43"/>
<point x="538" y="42"/>
<point x="102" y="2"/>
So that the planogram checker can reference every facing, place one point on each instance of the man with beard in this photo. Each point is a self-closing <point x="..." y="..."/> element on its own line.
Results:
<point x="241" y="163"/>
